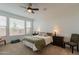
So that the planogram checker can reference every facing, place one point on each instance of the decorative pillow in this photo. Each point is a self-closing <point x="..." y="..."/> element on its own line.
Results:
<point x="43" y="34"/>
<point x="49" y="34"/>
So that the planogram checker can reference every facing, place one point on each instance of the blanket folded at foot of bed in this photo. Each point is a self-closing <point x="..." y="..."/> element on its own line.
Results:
<point x="39" y="42"/>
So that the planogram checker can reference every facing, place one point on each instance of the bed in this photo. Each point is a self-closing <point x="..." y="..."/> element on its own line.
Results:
<point x="37" y="42"/>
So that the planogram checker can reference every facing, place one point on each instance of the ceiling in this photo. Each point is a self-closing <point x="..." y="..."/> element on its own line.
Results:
<point x="46" y="9"/>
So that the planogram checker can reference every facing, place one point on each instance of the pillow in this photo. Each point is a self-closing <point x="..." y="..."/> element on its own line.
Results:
<point x="49" y="34"/>
<point x="43" y="34"/>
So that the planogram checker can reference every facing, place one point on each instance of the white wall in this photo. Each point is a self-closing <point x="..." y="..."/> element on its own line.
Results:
<point x="63" y="16"/>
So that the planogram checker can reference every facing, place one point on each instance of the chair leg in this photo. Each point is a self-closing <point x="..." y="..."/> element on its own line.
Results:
<point x="77" y="47"/>
<point x="64" y="45"/>
<point x="72" y="48"/>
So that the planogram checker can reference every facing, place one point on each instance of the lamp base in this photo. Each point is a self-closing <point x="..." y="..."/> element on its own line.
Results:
<point x="55" y="34"/>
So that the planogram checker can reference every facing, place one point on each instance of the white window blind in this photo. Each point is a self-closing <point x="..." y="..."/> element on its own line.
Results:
<point x="28" y="27"/>
<point x="17" y="27"/>
<point x="3" y="24"/>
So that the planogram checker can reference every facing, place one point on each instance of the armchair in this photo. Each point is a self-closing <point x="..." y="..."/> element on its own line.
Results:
<point x="74" y="41"/>
<point x="3" y="41"/>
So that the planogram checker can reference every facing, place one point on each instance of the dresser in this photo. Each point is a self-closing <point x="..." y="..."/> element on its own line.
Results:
<point x="58" y="41"/>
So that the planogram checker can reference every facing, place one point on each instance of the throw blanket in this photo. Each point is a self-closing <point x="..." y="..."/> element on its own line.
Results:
<point x="39" y="42"/>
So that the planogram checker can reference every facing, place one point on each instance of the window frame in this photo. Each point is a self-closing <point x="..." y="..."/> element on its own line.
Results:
<point x="9" y="27"/>
<point x="29" y="27"/>
<point x="5" y="25"/>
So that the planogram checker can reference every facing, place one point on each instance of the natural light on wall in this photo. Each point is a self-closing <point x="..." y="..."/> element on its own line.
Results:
<point x="56" y="30"/>
<point x="38" y="29"/>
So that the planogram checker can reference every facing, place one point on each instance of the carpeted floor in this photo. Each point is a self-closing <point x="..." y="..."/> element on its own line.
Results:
<point x="20" y="49"/>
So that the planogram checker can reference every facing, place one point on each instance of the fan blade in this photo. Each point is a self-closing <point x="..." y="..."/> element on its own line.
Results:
<point x="35" y="9"/>
<point x="32" y="11"/>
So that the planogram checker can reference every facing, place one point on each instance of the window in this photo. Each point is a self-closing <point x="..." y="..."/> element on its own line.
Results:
<point x="2" y="26"/>
<point x="16" y="27"/>
<point x="28" y="27"/>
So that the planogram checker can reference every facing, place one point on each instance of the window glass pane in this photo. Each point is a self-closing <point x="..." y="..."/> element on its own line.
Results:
<point x="28" y="27"/>
<point x="16" y="27"/>
<point x="28" y="24"/>
<point x="2" y="26"/>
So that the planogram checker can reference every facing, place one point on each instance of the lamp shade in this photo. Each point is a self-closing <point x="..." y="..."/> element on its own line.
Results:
<point x="29" y="10"/>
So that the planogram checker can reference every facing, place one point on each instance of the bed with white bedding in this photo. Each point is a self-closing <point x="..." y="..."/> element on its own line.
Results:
<point x="37" y="42"/>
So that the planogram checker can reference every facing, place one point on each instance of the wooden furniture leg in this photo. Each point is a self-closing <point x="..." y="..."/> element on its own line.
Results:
<point x="64" y="45"/>
<point x="77" y="47"/>
<point x="72" y="48"/>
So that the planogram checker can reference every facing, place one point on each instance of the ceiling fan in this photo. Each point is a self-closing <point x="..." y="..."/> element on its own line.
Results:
<point x="30" y="9"/>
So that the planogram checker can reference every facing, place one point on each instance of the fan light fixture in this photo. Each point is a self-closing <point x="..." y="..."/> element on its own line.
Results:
<point x="29" y="9"/>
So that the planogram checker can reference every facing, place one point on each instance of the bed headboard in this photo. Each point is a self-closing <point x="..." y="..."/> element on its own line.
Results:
<point x="45" y="33"/>
<point x="49" y="34"/>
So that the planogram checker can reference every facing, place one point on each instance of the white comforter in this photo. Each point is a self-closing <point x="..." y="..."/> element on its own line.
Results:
<point x="48" y="40"/>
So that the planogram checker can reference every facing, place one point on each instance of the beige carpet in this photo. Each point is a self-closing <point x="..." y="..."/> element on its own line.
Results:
<point x="20" y="49"/>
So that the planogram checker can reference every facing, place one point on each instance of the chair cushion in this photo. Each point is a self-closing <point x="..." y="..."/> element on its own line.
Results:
<point x="75" y="38"/>
<point x="71" y="43"/>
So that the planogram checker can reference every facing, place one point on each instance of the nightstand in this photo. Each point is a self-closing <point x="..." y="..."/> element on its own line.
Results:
<point x="58" y="41"/>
